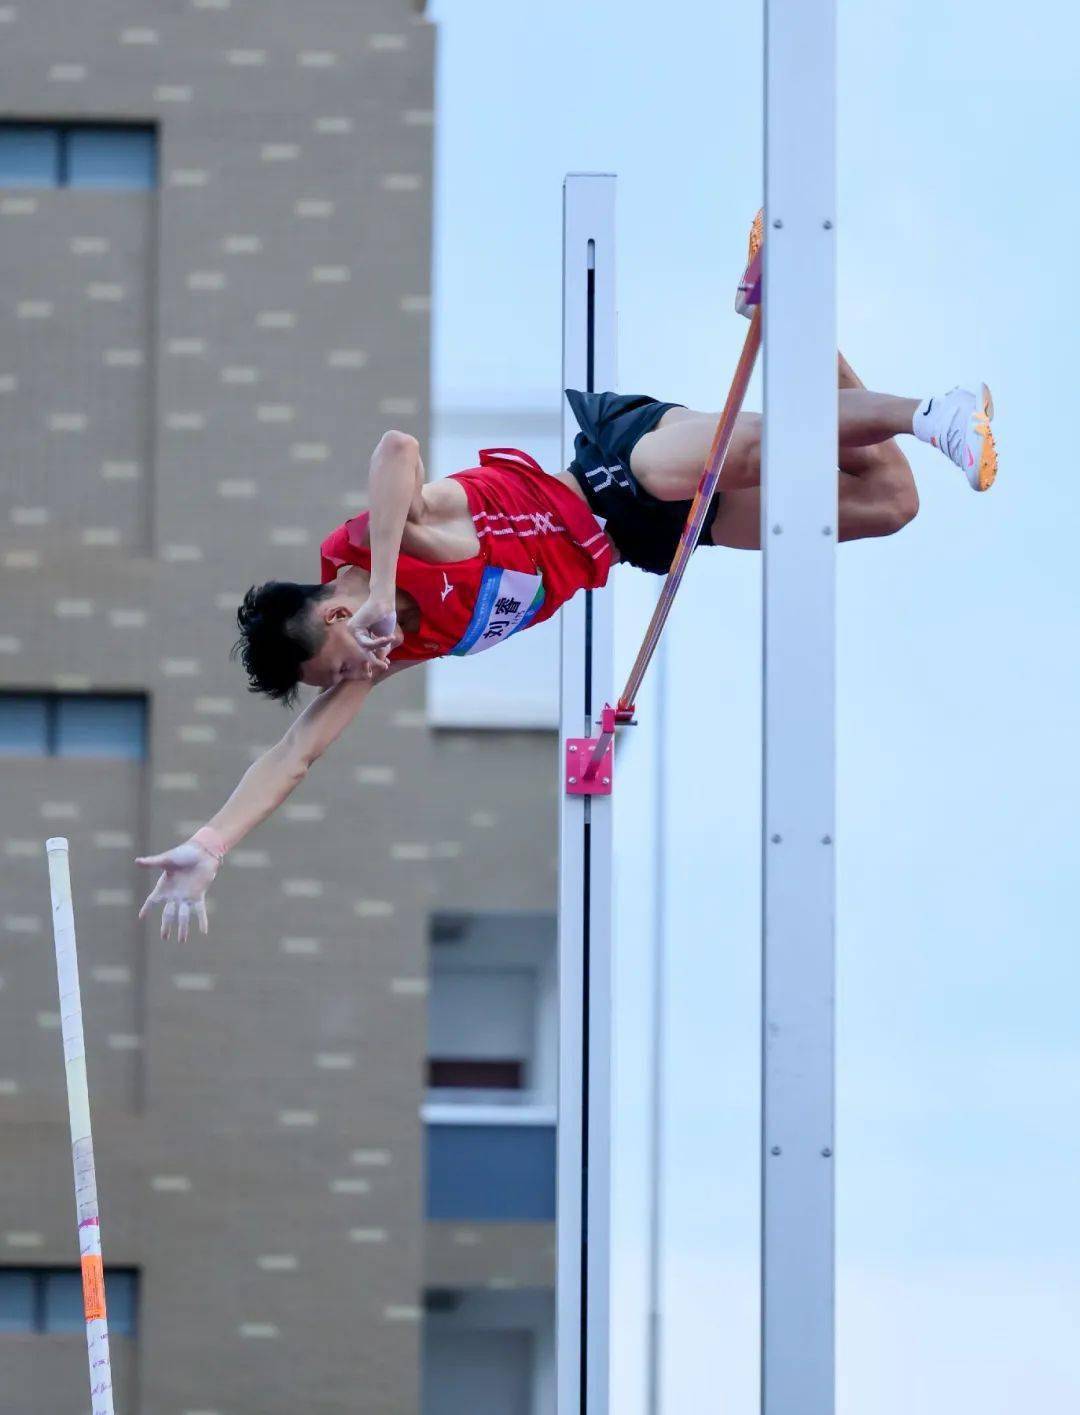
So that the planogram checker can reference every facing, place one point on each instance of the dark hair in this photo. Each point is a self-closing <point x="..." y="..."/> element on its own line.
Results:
<point x="278" y="636"/>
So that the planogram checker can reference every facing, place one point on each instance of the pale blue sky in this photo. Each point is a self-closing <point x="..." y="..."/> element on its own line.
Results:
<point x="959" y="1151"/>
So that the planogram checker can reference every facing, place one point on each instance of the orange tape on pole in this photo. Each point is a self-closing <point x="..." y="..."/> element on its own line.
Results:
<point x="93" y="1286"/>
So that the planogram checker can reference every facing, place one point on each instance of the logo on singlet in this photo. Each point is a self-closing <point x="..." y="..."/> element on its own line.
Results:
<point x="447" y="590"/>
<point x="615" y="476"/>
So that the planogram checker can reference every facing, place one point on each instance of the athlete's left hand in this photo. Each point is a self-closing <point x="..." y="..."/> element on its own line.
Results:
<point x="187" y="871"/>
<point x="373" y="627"/>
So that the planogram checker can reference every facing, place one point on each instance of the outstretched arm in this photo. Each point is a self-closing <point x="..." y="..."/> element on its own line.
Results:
<point x="188" y="870"/>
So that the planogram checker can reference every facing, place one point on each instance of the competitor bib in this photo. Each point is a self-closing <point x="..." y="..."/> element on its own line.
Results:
<point x="508" y="601"/>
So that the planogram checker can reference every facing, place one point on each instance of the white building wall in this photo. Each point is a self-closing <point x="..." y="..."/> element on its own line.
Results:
<point x="518" y="686"/>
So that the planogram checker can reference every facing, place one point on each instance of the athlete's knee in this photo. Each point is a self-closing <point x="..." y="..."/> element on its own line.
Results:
<point x="900" y="495"/>
<point x="748" y="430"/>
<point x="743" y="465"/>
<point x="906" y="493"/>
<point x="903" y="507"/>
<point x="900" y="503"/>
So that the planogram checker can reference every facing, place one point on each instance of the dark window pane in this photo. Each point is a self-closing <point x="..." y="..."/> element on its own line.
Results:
<point x="111" y="157"/>
<point x="120" y="1301"/>
<point x="462" y="1073"/>
<point x="29" y="155"/>
<point x="472" y="929"/>
<point x="64" y="1301"/>
<point x="101" y="727"/>
<point x="23" y="726"/>
<point x="491" y="1173"/>
<point x="16" y="1300"/>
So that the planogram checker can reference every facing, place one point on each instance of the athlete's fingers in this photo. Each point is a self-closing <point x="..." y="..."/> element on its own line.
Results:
<point x="150" y="862"/>
<point x="182" y="916"/>
<point x="200" y="914"/>
<point x="151" y="898"/>
<point x="167" y="915"/>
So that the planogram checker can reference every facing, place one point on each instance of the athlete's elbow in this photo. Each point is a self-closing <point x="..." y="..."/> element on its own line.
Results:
<point x="398" y="443"/>
<point x="300" y="767"/>
<point x="293" y="770"/>
<point x="297" y="755"/>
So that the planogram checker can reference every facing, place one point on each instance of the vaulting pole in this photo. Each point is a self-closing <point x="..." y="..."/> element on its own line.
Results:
<point x="699" y="507"/>
<point x="82" y="1143"/>
<point x="583" y="1223"/>
<point x="798" y="536"/>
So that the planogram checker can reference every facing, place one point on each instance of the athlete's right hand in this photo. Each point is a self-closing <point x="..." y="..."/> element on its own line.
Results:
<point x="187" y="871"/>
<point x="373" y="626"/>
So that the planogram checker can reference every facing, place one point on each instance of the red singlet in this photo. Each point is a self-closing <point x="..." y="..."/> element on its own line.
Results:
<point x="539" y="545"/>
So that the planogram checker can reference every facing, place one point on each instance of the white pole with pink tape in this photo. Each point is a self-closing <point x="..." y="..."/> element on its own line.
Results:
<point x="82" y="1144"/>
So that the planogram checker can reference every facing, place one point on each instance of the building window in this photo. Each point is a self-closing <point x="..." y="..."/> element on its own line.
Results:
<point x="470" y="1074"/>
<point x="73" y="725"/>
<point x="115" y="157"/>
<point x="489" y="1008"/>
<point x="482" y="1026"/>
<point x="490" y="1172"/>
<point x="51" y="1300"/>
<point x="487" y="1351"/>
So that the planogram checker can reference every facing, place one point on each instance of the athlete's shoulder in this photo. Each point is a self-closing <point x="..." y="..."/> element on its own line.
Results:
<point x="445" y="498"/>
<point x="345" y="545"/>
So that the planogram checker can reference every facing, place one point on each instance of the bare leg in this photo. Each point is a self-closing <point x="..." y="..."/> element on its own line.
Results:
<point x="876" y="491"/>
<point x="867" y="418"/>
<point x="668" y="460"/>
<point x="882" y="463"/>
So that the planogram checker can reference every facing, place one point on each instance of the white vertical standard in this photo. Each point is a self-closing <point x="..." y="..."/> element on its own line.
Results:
<point x="82" y="1144"/>
<point x="583" y="1285"/>
<point x="798" y="535"/>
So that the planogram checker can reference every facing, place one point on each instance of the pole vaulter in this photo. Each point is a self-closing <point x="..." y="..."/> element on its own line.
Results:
<point x="455" y="566"/>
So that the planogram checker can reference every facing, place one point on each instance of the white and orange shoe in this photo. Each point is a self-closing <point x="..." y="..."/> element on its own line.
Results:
<point x="958" y="424"/>
<point x="748" y="295"/>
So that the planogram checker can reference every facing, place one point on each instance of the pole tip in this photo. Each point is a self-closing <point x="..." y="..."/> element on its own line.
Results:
<point x="56" y="842"/>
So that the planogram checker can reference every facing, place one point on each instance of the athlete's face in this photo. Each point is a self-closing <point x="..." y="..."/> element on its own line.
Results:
<point x="339" y="659"/>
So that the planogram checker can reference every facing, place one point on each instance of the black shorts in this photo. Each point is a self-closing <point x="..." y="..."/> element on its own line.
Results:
<point x="645" y="529"/>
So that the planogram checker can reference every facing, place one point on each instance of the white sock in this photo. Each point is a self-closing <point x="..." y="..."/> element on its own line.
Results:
<point x="924" y="423"/>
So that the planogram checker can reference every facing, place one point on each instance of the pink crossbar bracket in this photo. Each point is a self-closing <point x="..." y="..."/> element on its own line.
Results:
<point x="590" y="761"/>
<point x="580" y="780"/>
